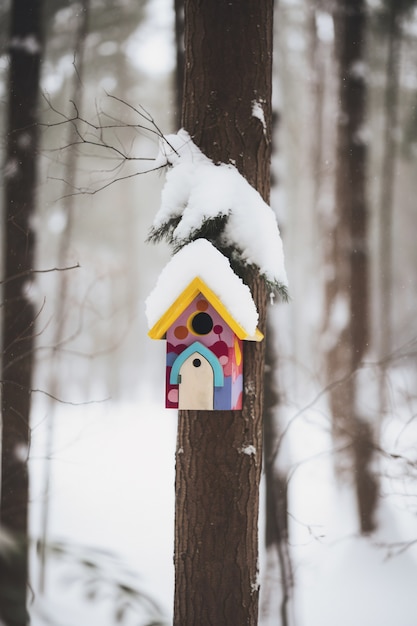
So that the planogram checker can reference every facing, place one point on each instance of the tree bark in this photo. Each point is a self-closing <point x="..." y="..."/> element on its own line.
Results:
<point x="18" y="312"/>
<point x="228" y="67"/>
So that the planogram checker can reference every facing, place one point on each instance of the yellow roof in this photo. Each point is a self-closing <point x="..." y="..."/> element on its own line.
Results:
<point x="196" y="286"/>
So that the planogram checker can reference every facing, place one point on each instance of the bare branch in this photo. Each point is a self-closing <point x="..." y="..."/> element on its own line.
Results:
<point x="61" y="401"/>
<point x="97" y="127"/>
<point x="395" y="548"/>
<point x="31" y="272"/>
<point x="112" y="182"/>
<point x="103" y="144"/>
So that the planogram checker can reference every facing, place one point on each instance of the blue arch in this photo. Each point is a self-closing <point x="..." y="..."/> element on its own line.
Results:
<point x="207" y="354"/>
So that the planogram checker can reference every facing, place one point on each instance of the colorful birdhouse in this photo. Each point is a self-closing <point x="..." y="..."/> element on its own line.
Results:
<point x="204" y="311"/>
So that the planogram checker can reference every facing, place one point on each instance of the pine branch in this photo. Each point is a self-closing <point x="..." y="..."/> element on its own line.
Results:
<point x="277" y="288"/>
<point x="165" y="231"/>
<point x="212" y="230"/>
<point x="240" y="266"/>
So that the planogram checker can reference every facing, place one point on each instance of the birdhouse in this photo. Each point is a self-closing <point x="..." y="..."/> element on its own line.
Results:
<point x="204" y="318"/>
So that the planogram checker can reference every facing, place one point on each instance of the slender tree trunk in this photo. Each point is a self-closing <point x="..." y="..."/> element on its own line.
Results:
<point x="347" y="288"/>
<point x="276" y="495"/>
<point x="317" y="61"/>
<point x="61" y="301"/>
<point x="179" y="47"/>
<point x="387" y="195"/>
<point x="228" y="66"/>
<point x="18" y="311"/>
<point x="277" y="576"/>
<point x="324" y="98"/>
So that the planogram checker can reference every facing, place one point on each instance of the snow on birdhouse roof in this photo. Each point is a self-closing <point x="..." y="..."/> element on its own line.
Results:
<point x="200" y="267"/>
<point x="197" y="190"/>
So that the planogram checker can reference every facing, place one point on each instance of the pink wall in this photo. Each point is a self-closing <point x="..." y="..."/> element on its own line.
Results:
<point x="216" y="335"/>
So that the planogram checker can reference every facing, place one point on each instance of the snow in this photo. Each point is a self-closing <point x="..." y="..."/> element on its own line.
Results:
<point x="258" y="112"/>
<point x="111" y="502"/>
<point x="358" y="585"/>
<point x="201" y="259"/>
<point x="341" y="577"/>
<point x="249" y="450"/>
<point x="112" y="493"/>
<point x="177" y="148"/>
<point x="197" y="190"/>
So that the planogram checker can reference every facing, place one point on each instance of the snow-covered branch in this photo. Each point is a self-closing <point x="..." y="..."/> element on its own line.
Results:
<point x="215" y="202"/>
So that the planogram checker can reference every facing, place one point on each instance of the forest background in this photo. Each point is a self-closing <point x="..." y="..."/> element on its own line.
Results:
<point x="104" y="451"/>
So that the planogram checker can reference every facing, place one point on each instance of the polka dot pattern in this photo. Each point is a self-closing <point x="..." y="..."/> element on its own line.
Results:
<point x="192" y="325"/>
<point x="181" y="332"/>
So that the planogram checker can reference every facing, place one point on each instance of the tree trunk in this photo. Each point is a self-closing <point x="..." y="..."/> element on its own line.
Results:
<point x="228" y="67"/>
<point x="18" y="311"/>
<point x="62" y="287"/>
<point x="276" y="496"/>
<point x="347" y="289"/>
<point x="179" y="66"/>
<point x="387" y="195"/>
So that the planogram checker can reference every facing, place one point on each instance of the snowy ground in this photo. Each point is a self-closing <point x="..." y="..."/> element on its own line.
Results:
<point x="113" y="490"/>
<point x="340" y="577"/>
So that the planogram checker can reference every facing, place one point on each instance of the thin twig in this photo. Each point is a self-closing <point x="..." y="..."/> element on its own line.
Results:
<point x="30" y="272"/>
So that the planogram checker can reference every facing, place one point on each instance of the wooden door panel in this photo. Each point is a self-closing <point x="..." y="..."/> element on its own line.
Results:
<point x="196" y="384"/>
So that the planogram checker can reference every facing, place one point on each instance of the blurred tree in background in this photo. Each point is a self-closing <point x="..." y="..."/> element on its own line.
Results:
<point x="18" y="311"/>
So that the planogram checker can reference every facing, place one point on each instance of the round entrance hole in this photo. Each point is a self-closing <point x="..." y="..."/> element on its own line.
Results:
<point x="202" y="324"/>
<point x="196" y="362"/>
